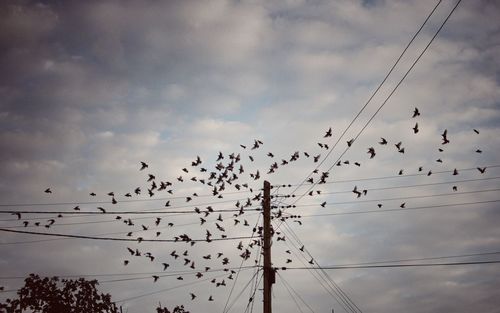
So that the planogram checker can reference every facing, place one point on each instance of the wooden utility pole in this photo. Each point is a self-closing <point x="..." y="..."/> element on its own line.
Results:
<point x="269" y="275"/>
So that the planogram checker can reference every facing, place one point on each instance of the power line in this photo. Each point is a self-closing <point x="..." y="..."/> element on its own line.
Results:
<point x="333" y="267"/>
<point x="119" y="239"/>
<point x="374" y="93"/>
<point x="398" y="176"/>
<point x="108" y="202"/>
<point x="295" y="294"/>
<point x="117" y="212"/>
<point x="423" y="259"/>
<point x="322" y="280"/>
<point x="390" y="94"/>
<point x="335" y="287"/>
<point x="169" y="289"/>
<point x="401" y="198"/>
<point x="170" y="273"/>
<point x="402" y="209"/>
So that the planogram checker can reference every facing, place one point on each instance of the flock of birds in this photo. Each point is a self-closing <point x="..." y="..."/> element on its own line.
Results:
<point x="229" y="172"/>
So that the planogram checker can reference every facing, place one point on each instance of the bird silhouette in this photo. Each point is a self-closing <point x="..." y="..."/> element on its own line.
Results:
<point x="155" y="277"/>
<point x="445" y="137"/>
<point x="476" y="131"/>
<point x="382" y="141"/>
<point x="328" y="133"/>
<point x="48" y="190"/>
<point x="481" y="169"/>
<point x="371" y="152"/>
<point x="416" y="113"/>
<point x="415" y="128"/>
<point x="143" y="166"/>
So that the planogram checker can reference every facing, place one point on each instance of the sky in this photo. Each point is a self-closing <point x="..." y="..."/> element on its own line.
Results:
<point x="90" y="89"/>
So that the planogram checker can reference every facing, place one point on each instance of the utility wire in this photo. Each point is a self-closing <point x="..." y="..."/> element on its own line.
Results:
<point x="334" y="285"/>
<point x="397" y="176"/>
<point x="375" y="92"/>
<point x="108" y="202"/>
<point x="423" y="259"/>
<point x="290" y="289"/>
<point x="332" y="267"/>
<point x="322" y="280"/>
<point x="119" y="239"/>
<point x="401" y="198"/>
<point x="170" y="273"/>
<point x="238" y="272"/>
<point x="118" y="212"/>
<point x="402" y="209"/>
<point x="389" y="96"/>
<point x="168" y="289"/>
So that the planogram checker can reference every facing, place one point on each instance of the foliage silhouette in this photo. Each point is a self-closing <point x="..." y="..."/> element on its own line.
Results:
<point x="54" y="295"/>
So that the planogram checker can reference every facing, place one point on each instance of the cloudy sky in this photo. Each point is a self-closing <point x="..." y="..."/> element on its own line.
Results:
<point x="89" y="89"/>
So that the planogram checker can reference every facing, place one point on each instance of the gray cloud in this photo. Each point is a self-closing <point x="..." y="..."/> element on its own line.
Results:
<point x="90" y="89"/>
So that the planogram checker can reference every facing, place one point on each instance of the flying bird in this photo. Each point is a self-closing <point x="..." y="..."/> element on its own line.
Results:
<point x="416" y="113"/>
<point x="371" y="152"/>
<point x="48" y="190"/>
<point x="143" y="166"/>
<point x="415" y="128"/>
<point x="328" y="133"/>
<point x="382" y="141"/>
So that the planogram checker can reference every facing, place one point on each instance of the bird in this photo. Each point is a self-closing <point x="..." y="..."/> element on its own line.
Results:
<point x="481" y="169"/>
<point x="371" y="152"/>
<point x="445" y="138"/>
<point x="349" y="142"/>
<point x="48" y="190"/>
<point x="402" y="205"/>
<point x="17" y="214"/>
<point x="125" y="262"/>
<point x="93" y="194"/>
<point x="455" y="172"/>
<point x="328" y="133"/>
<point x="382" y="141"/>
<point x="193" y="296"/>
<point x="479" y="151"/>
<point x="156" y="277"/>
<point x="316" y="158"/>
<point x="210" y="298"/>
<point x="416" y="113"/>
<point x="415" y="128"/>
<point x="476" y="131"/>
<point x="455" y="188"/>
<point x="165" y="266"/>
<point x="143" y="166"/>
<point x="76" y="208"/>
<point x="101" y="209"/>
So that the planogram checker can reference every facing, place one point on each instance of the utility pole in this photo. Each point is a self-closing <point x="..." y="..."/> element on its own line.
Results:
<point x="269" y="275"/>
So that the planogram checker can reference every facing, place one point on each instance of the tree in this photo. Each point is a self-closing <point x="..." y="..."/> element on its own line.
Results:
<point x="54" y="295"/>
